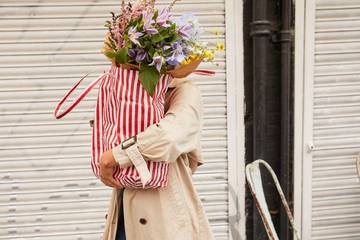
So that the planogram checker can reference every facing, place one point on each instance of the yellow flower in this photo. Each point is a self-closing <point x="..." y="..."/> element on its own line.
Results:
<point x="193" y="56"/>
<point x="190" y="58"/>
<point x="209" y="55"/>
<point x="185" y="61"/>
<point x="220" y="47"/>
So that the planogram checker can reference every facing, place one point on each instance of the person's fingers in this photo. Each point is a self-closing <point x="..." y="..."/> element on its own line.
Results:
<point x="104" y="182"/>
<point x="107" y="179"/>
<point x="111" y="183"/>
<point x="115" y="183"/>
<point x="108" y="182"/>
<point x="104" y="178"/>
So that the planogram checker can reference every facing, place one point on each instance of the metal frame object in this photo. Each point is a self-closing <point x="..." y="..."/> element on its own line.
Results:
<point x="253" y="176"/>
<point x="358" y="165"/>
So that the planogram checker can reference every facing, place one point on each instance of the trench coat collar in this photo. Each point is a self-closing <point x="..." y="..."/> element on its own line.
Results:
<point x="176" y="81"/>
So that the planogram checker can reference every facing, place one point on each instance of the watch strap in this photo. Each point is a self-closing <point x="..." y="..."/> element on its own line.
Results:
<point x="139" y="163"/>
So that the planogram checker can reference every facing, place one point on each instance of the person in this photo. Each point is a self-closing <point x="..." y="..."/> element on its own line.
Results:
<point x="174" y="212"/>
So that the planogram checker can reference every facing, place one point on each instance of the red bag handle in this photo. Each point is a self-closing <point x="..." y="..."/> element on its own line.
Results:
<point x="204" y="72"/>
<point x="59" y="112"/>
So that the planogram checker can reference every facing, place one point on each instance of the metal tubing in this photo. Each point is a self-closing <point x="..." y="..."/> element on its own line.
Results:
<point x="286" y="76"/>
<point x="260" y="33"/>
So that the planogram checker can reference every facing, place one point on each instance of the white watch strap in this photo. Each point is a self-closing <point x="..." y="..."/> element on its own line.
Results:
<point x="139" y="163"/>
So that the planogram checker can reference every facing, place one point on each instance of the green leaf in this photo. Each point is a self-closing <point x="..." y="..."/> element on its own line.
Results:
<point x="110" y="54"/>
<point x="157" y="38"/>
<point x="172" y="38"/>
<point x="149" y="77"/>
<point x="121" y="55"/>
<point x="151" y="52"/>
<point x="156" y="14"/>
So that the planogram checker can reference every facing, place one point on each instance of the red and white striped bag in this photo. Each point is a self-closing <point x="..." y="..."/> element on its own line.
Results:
<point x="123" y="109"/>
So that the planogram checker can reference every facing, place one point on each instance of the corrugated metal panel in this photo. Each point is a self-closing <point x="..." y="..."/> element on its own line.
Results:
<point x="336" y="115"/>
<point x="47" y="189"/>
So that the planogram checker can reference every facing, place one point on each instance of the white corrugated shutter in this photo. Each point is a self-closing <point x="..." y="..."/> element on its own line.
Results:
<point x="335" y="117"/>
<point x="47" y="189"/>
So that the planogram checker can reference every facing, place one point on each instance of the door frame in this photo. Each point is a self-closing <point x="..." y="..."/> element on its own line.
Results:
<point x="303" y="114"/>
<point x="235" y="118"/>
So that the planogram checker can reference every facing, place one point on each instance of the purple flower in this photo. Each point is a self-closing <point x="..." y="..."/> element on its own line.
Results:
<point x="184" y="19"/>
<point x="163" y="17"/>
<point x="175" y="60"/>
<point x="147" y="23"/>
<point x="166" y="47"/>
<point x="138" y="54"/>
<point x="132" y="52"/>
<point x="188" y="27"/>
<point x="134" y="35"/>
<point x="184" y="31"/>
<point x="177" y="54"/>
<point x="157" y="62"/>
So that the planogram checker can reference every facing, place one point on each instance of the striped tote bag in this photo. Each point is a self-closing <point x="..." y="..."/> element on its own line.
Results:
<point x="123" y="109"/>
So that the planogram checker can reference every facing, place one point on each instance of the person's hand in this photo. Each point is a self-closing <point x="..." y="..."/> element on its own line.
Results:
<point x="107" y="165"/>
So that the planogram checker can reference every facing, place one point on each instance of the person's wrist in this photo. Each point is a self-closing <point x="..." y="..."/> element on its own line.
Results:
<point x="119" y="152"/>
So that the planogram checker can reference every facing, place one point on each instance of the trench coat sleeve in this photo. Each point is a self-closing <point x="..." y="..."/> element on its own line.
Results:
<point x="178" y="132"/>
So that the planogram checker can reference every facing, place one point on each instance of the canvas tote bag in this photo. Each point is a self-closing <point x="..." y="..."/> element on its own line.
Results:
<point x="123" y="109"/>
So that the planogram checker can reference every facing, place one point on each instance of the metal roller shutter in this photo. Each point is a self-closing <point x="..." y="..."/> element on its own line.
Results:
<point x="334" y="114"/>
<point x="47" y="189"/>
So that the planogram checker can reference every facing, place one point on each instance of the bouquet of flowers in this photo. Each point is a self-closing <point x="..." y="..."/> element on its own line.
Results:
<point x="152" y="41"/>
<point x="147" y="48"/>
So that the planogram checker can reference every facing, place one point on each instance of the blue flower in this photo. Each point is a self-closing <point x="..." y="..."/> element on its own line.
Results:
<point x="184" y="19"/>
<point x="188" y="27"/>
<point x="176" y="55"/>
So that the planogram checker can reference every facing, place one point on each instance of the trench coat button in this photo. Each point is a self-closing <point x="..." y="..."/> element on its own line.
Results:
<point x="142" y="221"/>
<point x="91" y="122"/>
<point x="105" y="216"/>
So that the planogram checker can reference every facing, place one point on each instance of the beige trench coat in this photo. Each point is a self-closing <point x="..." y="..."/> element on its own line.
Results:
<point x="174" y="212"/>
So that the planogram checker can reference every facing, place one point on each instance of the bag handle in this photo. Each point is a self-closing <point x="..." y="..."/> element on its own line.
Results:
<point x="60" y="112"/>
<point x="204" y="72"/>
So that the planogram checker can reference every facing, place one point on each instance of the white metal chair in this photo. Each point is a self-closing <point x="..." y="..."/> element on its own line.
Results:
<point x="253" y="176"/>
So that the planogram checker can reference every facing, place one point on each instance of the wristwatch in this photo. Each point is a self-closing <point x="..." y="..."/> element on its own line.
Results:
<point x="130" y="146"/>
